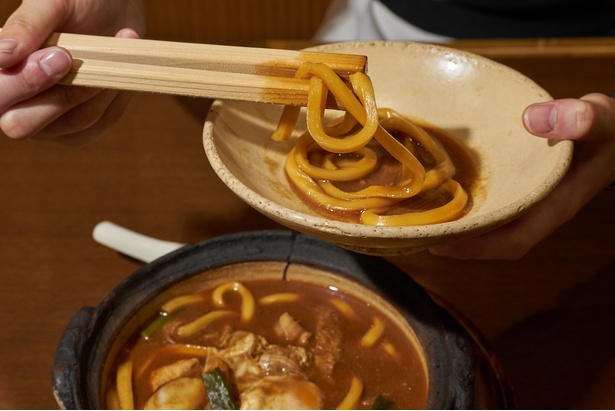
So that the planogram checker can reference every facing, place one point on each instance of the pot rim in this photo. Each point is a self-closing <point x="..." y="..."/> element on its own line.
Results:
<point x="91" y="332"/>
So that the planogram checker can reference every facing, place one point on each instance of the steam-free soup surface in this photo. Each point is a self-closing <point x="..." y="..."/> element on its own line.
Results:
<point x="299" y="346"/>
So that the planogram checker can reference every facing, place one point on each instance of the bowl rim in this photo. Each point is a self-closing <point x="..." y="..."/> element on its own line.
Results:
<point x="473" y="224"/>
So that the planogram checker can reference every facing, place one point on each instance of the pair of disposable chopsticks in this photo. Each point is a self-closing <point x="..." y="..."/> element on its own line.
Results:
<point x="212" y="71"/>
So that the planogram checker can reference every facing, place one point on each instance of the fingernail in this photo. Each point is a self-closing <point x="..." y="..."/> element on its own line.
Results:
<point x="8" y="46"/>
<point x="127" y="34"/>
<point x="55" y="62"/>
<point x="540" y="118"/>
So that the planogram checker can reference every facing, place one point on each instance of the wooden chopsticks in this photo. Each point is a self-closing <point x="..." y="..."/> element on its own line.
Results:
<point x="211" y="71"/>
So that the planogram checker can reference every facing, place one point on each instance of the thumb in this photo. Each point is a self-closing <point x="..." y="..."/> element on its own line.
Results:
<point x="590" y="117"/>
<point x="26" y="29"/>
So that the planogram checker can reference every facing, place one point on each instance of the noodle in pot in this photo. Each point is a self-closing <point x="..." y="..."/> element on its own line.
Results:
<point x="372" y="165"/>
<point x="303" y="346"/>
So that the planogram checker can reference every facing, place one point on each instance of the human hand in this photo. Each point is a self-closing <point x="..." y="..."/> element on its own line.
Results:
<point x="32" y="104"/>
<point x="590" y="123"/>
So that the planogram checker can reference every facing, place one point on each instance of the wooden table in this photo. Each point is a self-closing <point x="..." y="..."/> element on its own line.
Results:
<point x="550" y="316"/>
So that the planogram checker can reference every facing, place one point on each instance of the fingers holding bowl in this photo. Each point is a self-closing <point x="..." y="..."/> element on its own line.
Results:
<point x="587" y="118"/>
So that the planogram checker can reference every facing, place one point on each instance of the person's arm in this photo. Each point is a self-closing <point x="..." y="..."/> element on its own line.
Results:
<point x="590" y="123"/>
<point x="31" y="103"/>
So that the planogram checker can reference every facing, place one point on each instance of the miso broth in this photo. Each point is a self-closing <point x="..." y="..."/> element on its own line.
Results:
<point x="276" y="344"/>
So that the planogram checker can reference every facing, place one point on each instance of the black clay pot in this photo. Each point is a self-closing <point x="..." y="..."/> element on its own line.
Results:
<point x="88" y="339"/>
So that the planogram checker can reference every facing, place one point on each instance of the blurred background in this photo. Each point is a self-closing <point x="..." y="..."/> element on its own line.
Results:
<point x="225" y="21"/>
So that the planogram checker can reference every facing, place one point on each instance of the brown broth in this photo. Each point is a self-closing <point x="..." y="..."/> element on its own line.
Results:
<point x="400" y="378"/>
<point x="388" y="172"/>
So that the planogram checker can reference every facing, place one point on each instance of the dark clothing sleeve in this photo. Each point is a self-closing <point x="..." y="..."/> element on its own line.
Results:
<point x="508" y="18"/>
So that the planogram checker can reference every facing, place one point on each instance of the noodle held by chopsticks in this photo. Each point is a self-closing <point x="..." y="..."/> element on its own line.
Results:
<point x="326" y="156"/>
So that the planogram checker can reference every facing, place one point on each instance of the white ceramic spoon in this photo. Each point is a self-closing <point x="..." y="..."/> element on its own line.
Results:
<point x="131" y="243"/>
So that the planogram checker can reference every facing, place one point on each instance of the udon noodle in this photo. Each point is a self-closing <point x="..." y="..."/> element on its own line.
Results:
<point x="266" y="344"/>
<point x="345" y="167"/>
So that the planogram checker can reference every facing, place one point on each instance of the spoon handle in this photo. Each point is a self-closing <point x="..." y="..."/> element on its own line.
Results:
<point x="131" y="243"/>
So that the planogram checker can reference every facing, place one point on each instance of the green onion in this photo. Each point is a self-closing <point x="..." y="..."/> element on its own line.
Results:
<point x="383" y="403"/>
<point x="154" y="326"/>
<point x="219" y="395"/>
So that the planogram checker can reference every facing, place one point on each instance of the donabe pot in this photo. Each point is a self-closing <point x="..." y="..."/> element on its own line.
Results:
<point x="88" y="341"/>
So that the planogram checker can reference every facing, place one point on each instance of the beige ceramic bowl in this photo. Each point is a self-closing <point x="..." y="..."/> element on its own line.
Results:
<point x="477" y="100"/>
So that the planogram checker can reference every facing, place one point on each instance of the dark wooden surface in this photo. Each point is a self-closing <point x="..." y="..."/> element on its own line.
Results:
<point x="549" y="316"/>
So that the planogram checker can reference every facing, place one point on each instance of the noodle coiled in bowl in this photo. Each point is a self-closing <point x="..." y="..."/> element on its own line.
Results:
<point x="431" y="150"/>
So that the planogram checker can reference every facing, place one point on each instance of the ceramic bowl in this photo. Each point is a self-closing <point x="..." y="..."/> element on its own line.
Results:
<point x="96" y="334"/>
<point x="478" y="101"/>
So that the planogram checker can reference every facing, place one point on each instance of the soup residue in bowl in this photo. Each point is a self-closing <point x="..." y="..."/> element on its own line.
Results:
<point x="371" y="162"/>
